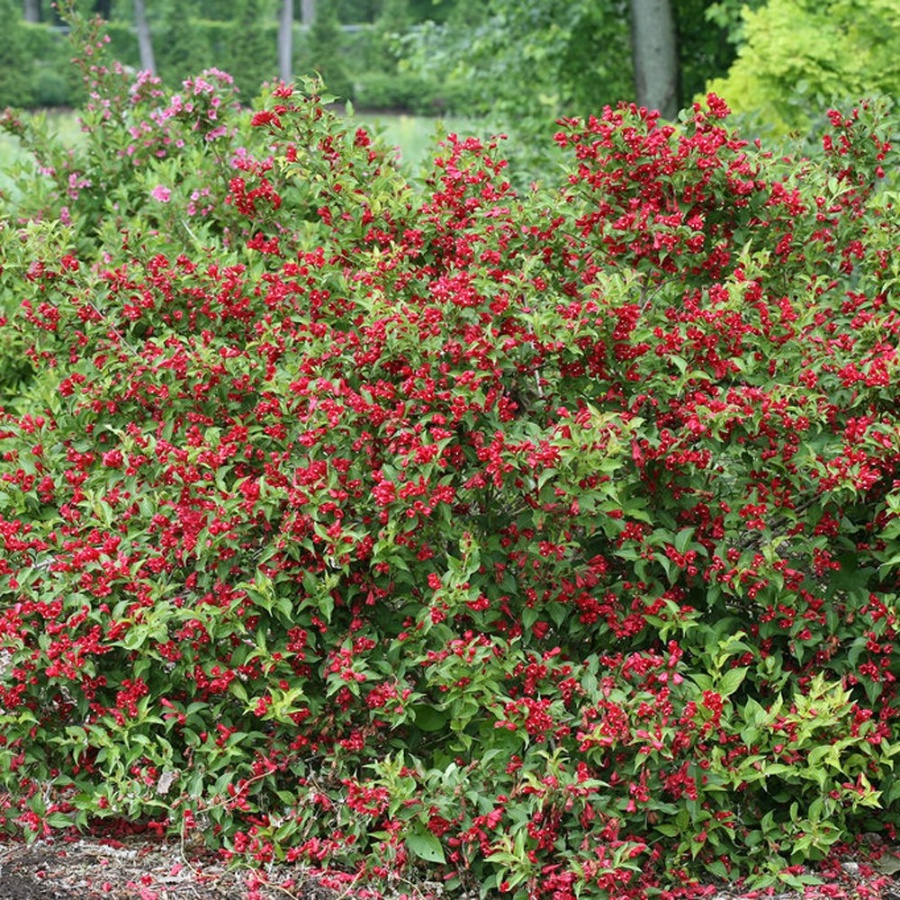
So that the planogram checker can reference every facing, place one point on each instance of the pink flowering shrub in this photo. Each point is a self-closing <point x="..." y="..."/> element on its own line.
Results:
<point x="544" y="542"/>
<point x="140" y="144"/>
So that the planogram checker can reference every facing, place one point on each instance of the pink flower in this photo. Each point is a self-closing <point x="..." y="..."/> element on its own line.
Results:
<point x="163" y="194"/>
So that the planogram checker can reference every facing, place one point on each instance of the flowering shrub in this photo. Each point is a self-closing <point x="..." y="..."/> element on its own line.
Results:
<point x="547" y="542"/>
<point x="140" y="144"/>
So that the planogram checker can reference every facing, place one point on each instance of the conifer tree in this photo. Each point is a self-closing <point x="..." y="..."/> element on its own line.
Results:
<point x="182" y="49"/>
<point x="251" y="52"/>
<point x="325" y="51"/>
<point x="15" y="66"/>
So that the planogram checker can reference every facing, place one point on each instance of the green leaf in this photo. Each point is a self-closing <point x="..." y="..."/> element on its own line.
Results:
<point x="426" y="846"/>
<point x="683" y="539"/>
<point x="60" y="820"/>
<point x="430" y="719"/>
<point x="888" y="864"/>
<point x="754" y="712"/>
<point x="818" y="754"/>
<point x="557" y="613"/>
<point x="892" y="794"/>
<point x="731" y="681"/>
<point x="889" y="566"/>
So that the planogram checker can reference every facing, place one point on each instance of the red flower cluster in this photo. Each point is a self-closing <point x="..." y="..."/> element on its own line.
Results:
<point x="517" y="536"/>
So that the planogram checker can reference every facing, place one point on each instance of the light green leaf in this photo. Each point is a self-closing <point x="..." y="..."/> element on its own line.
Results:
<point x="731" y="681"/>
<point x="426" y="846"/>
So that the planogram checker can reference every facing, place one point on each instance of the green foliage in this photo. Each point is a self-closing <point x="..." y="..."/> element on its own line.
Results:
<point x="542" y="544"/>
<point x="540" y="60"/>
<point x="123" y="43"/>
<point x="15" y="368"/>
<point x="432" y="10"/>
<point x="525" y="64"/>
<point x="707" y="41"/>
<point x="251" y="52"/>
<point x="393" y="22"/>
<point x="728" y="15"/>
<point x="800" y="57"/>
<point x="53" y="80"/>
<point x="219" y="10"/>
<point x="15" y="63"/>
<point x="324" y="43"/>
<point x="181" y="47"/>
<point x="535" y="60"/>
<point x="405" y="92"/>
<point x="354" y="12"/>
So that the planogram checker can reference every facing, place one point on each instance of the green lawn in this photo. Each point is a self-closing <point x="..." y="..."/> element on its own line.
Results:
<point x="414" y="136"/>
<point x="64" y="124"/>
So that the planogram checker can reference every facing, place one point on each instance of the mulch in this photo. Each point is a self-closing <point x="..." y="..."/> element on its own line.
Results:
<point x="17" y="887"/>
<point x="138" y="869"/>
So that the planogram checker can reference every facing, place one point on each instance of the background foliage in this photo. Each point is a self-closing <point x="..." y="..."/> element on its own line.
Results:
<point x="15" y="61"/>
<point x="543" y="542"/>
<point x="519" y="65"/>
<point x="798" y="57"/>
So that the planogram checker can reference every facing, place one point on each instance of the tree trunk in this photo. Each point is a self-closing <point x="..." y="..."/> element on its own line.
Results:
<point x="307" y="12"/>
<point x="32" y="11"/>
<point x="655" y="54"/>
<point x="286" y="41"/>
<point x="145" y="45"/>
